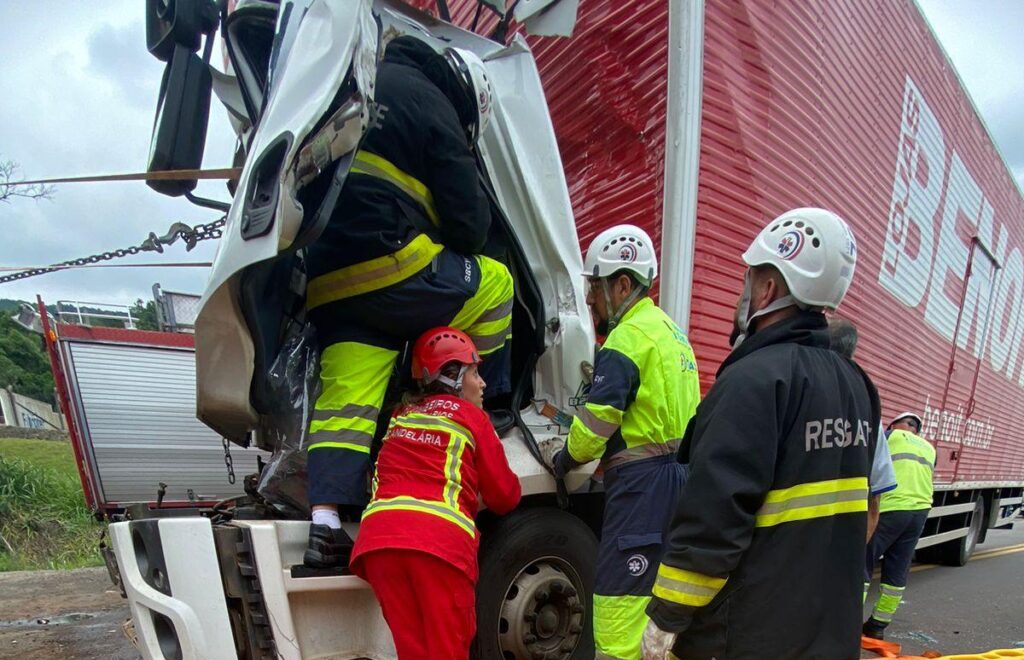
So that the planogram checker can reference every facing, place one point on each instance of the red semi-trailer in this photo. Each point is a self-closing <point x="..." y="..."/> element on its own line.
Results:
<point x="852" y="106"/>
<point x="696" y="120"/>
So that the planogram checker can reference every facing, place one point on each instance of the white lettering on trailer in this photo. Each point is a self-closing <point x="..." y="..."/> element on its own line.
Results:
<point x="963" y="200"/>
<point x="925" y="264"/>
<point x="916" y="190"/>
<point x="954" y="427"/>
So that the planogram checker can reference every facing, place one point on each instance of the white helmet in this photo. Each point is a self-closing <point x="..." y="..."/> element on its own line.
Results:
<point x="622" y="247"/>
<point x="473" y="74"/>
<point x="908" y="415"/>
<point x="814" y="250"/>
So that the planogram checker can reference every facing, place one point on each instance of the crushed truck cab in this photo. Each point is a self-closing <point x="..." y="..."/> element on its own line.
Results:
<point x="230" y="584"/>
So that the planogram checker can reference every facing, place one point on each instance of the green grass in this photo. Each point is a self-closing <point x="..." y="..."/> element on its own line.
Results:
<point x="49" y="455"/>
<point x="44" y="522"/>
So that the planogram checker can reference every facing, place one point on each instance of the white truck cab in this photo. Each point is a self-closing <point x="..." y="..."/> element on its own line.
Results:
<point x="229" y="583"/>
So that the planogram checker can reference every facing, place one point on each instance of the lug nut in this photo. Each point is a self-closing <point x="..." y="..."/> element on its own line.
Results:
<point x="575" y="628"/>
<point x="542" y="595"/>
<point x="570" y="590"/>
<point x="568" y="645"/>
<point x="558" y="587"/>
<point x="529" y="638"/>
<point x="530" y="617"/>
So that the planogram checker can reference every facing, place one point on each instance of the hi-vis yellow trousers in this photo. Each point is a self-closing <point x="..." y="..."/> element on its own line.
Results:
<point x="362" y="332"/>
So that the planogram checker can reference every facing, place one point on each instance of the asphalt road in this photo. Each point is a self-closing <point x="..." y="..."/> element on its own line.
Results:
<point x="974" y="608"/>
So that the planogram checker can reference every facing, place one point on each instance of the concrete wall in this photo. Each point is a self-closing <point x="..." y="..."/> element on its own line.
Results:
<point x="23" y="412"/>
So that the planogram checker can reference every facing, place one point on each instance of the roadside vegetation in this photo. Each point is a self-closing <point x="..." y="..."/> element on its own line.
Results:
<point x="44" y="522"/>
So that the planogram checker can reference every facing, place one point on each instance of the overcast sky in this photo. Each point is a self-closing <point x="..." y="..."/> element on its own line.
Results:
<point x="80" y="91"/>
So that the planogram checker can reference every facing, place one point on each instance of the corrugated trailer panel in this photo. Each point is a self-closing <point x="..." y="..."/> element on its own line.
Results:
<point x="137" y="403"/>
<point x="849" y="105"/>
<point x="606" y="89"/>
<point x="853" y="106"/>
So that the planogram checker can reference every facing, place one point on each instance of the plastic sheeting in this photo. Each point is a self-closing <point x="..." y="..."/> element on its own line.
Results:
<point x="295" y="381"/>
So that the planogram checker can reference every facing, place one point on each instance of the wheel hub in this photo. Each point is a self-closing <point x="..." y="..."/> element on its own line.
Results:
<point x="542" y="615"/>
<point x="547" y="621"/>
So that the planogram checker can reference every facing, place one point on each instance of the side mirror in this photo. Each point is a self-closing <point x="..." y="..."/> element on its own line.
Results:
<point x="179" y="130"/>
<point x="171" y="23"/>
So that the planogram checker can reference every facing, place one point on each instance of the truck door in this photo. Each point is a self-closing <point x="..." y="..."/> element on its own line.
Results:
<point x="972" y="327"/>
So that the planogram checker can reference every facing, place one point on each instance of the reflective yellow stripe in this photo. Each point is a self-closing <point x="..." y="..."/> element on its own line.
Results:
<point x="641" y="452"/>
<point x="421" y="421"/>
<point x="373" y="274"/>
<point x="686" y="587"/>
<point x="487" y="316"/>
<point x="587" y="442"/>
<point x="907" y="456"/>
<point x="459" y="439"/>
<point x="351" y="411"/>
<point x="596" y="425"/>
<point x="339" y="445"/>
<point x="453" y="470"/>
<point x="339" y="423"/>
<point x="439" y="509"/>
<point x="819" y="499"/>
<point x="375" y="166"/>
<point x="487" y="344"/>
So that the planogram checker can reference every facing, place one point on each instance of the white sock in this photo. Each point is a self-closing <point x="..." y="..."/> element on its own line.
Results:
<point x="327" y="517"/>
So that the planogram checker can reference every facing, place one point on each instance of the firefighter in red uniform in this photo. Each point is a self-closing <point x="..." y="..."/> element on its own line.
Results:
<point x="417" y="543"/>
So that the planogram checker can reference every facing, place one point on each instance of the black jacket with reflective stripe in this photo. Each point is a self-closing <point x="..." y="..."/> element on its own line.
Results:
<point x="417" y="129"/>
<point x="766" y="549"/>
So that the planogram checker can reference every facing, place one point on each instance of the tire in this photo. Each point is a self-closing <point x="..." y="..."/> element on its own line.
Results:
<point x="534" y="593"/>
<point x="959" y="551"/>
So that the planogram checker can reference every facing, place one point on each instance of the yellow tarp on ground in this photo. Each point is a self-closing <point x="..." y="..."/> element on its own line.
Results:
<point x="892" y="650"/>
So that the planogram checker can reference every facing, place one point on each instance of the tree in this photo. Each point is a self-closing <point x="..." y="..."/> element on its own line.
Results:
<point x="24" y="365"/>
<point x="10" y="186"/>
<point x="144" y="314"/>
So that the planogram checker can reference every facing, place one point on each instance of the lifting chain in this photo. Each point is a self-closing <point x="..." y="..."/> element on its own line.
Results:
<point x="154" y="243"/>
<point x="228" y="463"/>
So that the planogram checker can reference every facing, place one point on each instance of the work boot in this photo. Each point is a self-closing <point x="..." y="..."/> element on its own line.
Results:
<point x="874" y="628"/>
<point x="327" y="547"/>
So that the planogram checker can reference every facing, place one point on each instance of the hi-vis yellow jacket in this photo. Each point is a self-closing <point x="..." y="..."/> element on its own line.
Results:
<point x="645" y="390"/>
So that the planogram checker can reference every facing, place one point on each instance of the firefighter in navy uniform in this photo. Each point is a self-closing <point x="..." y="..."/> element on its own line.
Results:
<point x="400" y="255"/>
<point x="645" y="390"/>
<point x="764" y="553"/>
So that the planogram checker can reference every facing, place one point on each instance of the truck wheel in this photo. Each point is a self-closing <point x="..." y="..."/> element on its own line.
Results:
<point x="958" y="552"/>
<point x="536" y="578"/>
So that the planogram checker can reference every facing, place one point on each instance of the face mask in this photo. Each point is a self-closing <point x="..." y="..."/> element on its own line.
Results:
<point x="741" y="325"/>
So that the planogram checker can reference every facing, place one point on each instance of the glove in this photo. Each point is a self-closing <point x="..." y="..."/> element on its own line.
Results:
<point x="549" y="450"/>
<point x="656" y="643"/>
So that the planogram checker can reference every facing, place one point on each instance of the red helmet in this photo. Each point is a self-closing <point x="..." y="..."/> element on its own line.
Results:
<point x="436" y="348"/>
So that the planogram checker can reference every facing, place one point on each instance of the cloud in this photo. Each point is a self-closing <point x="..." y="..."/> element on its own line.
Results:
<point x="81" y="101"/>
<point x="81" y="91"/>
<point x="133" y="76"/>
<point x="983" y="42"/>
